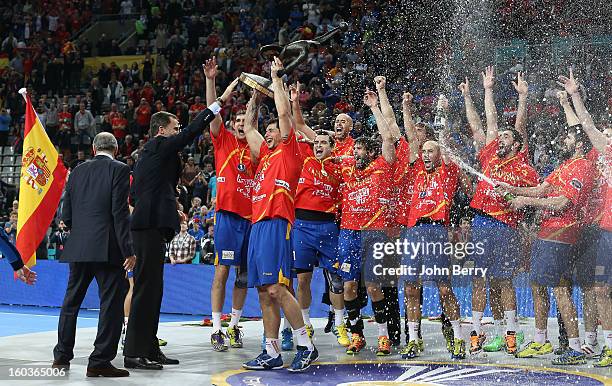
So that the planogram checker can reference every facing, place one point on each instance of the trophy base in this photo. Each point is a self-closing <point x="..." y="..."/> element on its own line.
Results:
<point x="258" y="83"/>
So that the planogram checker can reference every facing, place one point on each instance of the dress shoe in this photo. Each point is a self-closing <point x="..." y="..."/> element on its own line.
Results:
<point x="60" y="364"/>
<point x="141" y="364"/>
<point x="107" y="372"/>
<point x="164" y="360"/>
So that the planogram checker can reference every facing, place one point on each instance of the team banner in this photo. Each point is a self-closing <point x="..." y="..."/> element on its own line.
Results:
<point x="40" y="185"/>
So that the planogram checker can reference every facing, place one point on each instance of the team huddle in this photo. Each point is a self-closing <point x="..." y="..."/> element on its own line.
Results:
<point x="294" y="199"/>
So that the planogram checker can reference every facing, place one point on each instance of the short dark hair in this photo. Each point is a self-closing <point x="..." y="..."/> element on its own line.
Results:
<point x="516" y="136"/>
<point x="581" y="136"/>
<point x="237" y="113"/>
<point x="332" y="142"/>
<point x="271" y="122"/>
<point x="160" y="119"/>
<point x="370" y="144"/>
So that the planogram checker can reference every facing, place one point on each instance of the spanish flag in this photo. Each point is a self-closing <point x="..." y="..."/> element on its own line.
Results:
<point x="41" y="183"/>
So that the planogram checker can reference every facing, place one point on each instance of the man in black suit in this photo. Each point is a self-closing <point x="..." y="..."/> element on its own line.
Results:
<point x="96" y="209"/>
<point x="155" y="220"/>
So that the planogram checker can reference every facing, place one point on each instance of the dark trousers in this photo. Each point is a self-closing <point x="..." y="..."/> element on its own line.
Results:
<point x="112" y="290"/>
<point x="141" y="335"/>
<point x="393" y="314"/>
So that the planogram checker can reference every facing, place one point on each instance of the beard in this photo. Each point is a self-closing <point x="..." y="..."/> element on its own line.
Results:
<point x="503" y="151"/>
<point x="567" y="153"/>
<point x="362" y="162"/>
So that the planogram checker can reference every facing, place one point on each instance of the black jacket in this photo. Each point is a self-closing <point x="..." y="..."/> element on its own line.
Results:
<point x="96" y="210"/>
<point x="156" y="175"/>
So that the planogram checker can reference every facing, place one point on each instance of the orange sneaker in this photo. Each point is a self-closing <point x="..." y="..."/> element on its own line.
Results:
<point x="357" y="343"/>
<point x="511" y="346"/>
<point x="476" y="342"/>
<point x="384" y="346"/>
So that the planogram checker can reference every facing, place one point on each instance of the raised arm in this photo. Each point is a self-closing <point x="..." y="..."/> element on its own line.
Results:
<point x="388" y="147"/>
<point x="597" y="138"/>
<point x="413" y="142"/>
<point x="385" y="106"/>
<point x="253" y="137"/>
<point x="472" y="116"/>
<point x="300" y="124"/>
<point x="522" y="88"/>
<point x="281" y="99"/>
<point x="488" y="81"/>
<point x="210" y="71"/>
<point x="570" y="115"/>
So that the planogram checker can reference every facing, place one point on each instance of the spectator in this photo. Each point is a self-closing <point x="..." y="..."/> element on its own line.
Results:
<point x="196" y="206"/>
<point x="114" y="90"/>
<point x="182" y="247"/>
<point x="189" y="174"/>
<point x="200" y="187"/>
<point x="84" y="123"/>
<point x="128" y="146"/>
<point x="58" y="239"/>
<point x="142" y="117"/>
<point x="5" y="122"/>
<point x="79" y="160"/>
<point x="197" y="233"/>
<point x="119" y="124"/>
<point x="10" y="227"/>
<point x="212" y="189"/>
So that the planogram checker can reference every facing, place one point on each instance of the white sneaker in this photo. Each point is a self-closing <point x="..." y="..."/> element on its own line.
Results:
<point x="591" y="351"/>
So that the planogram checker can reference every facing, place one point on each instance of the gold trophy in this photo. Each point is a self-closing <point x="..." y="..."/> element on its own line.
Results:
<point x="293" y="54"/>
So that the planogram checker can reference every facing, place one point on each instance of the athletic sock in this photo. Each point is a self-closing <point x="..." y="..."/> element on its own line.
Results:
<point x="511" y="324"/>
<point x="125" y="320"/>
<point x="457" y="329"/>
<point x="286" y="324"/>
<point x="272" y="347"/>
<point x="540" y="336"/>
<point x="306" y="316"/>
<point x="476" y="321"/>
<point x="303" y="339"/>
<point x="499" y="327"/>
<point x="216" y="319"/>
<point x="236" y="314"/>
<point x="381" y="317"/>
<point x="331" y="307"/>
<point x="338" y="317"/>
<point x="574" y="344"/>
<point x="590" y="338"/>
<point x="354" y="316"/>
<point x="413" y="330"/>
<point x="608" y="338"/>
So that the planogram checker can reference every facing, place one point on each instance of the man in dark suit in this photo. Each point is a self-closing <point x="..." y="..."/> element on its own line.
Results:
<point x="155" y="220"/>
<point x="96" y="210"/>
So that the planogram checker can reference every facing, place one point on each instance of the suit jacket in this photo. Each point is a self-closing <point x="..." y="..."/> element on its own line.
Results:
<point x="96" y="209"/>
<point x="156" y="174"/>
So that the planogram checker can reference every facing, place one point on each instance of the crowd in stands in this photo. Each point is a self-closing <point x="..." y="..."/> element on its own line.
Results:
<point x="75" y="104"/>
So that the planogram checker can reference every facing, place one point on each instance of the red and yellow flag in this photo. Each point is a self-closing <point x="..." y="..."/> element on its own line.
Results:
<point x="41" y="183"/>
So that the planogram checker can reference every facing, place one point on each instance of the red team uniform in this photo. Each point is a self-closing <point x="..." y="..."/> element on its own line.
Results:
<point x="234" y="173"/>
<point x="552" y="251"/>
<point x="273" y="198"/>
<point x="494" y="224"/>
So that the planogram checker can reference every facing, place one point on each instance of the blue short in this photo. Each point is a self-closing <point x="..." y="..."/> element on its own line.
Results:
<point x="429" y="263"/>
<point x="550" y="263"/>
<point x="231" y="239"/>
<point x="349" y="251"/>
<point x="270" y="254"/>
<point x="374" y="260"/>
<point x="603" y="264"/>
<point x="315" y="243"/>
<point x="501" y="246"/>
<point x="584" y="255"/>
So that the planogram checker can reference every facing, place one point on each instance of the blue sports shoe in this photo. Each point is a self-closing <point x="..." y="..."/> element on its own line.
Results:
<point x="287" y="337"/>
<point x="570" y="358"/>
<point x="264" y="362"/>
<point x="303" y="359"/>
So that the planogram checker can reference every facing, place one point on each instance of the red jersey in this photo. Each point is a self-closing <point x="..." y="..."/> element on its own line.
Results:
<point x="119" y="124"/>
<point x="606" y="218"/>
<point x="433" y="192"/>
<point x="515" y="171"/>
<point x="276" y="180"/>
<point x="366" y="194"/>
<point x="403" y="182"/>
<point x="65" y="120"/>
<point x="234" y="173"/>
<point x="318" y="184"/>
<point x="574" y="180"/>
<point x="344" y="147"/>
